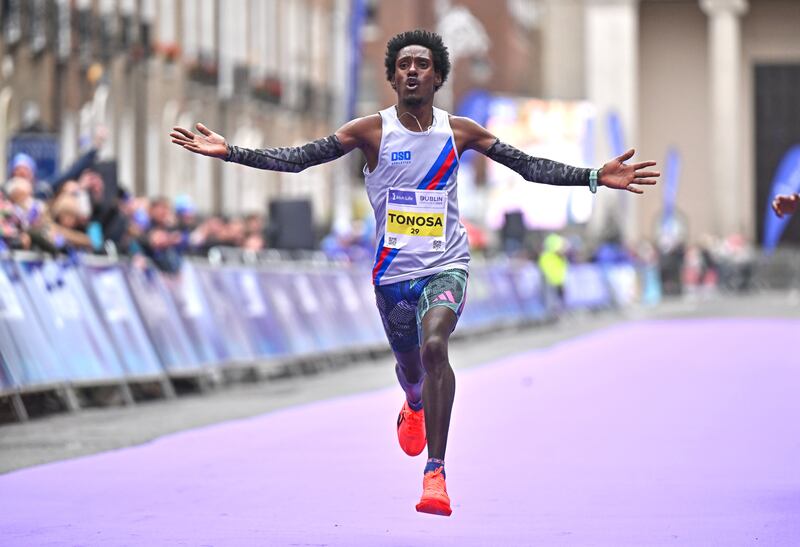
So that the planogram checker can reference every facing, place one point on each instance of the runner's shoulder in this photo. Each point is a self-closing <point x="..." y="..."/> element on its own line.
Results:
<point x="464" y="123"/>
<point x="470" y="133"/>
<point x="360" y="131"/>
<point x="365" y="125"/>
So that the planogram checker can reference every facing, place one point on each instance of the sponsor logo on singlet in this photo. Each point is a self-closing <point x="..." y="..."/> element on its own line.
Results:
<point x="401" y="158"/>
<point x="427" y="199"/>
<point x="402" y="197"/>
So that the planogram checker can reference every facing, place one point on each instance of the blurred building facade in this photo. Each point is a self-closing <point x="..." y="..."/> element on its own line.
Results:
<point x="260" y="72"/>
<point x="714" y="79"/>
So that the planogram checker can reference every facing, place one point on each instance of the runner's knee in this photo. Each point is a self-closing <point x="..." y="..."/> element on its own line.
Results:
<point x="434" y="354"/>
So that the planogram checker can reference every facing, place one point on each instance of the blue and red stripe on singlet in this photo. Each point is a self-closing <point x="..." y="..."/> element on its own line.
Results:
<point x="442" y="168"/>
<point x="383" y="258"/>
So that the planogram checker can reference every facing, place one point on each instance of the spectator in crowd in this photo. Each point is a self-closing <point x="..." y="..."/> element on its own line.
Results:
<point x="69" y="222"/>
<point x="30" y="212"/>
<point x="11" y="231"/>
<point x="162" y="239"/>
<point x="785" y="204"/>
<point x="254" y="224"/>
<point x="208" y="234"/>
<point x="234" y="234"/>
<point x="254" y="242"/>
<point x="254" y="233"/>
<point x="186" y="220"/>
<point x="736" y="263"/>
<point x="553" y="264"/>
<point x="107" y="220"/>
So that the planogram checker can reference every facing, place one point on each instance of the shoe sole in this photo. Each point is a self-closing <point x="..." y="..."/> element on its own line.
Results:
<point x="417" y="453"/>
<point x="434" y="507"/>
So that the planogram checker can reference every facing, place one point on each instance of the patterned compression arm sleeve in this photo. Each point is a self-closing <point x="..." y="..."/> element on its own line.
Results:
<point x="290" y="159"/>
<point x="537" y="169"/>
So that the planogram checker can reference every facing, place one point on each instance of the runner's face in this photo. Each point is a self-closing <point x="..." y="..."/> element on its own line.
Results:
<point x="415" y="79"/>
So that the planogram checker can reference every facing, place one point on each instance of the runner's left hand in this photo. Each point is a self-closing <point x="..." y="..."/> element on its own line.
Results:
<point x="616" y="174"/>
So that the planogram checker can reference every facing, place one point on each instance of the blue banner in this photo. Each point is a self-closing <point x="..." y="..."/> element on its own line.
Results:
<point x="672" y="171"/>
<point x="42" y="147"/>
<point x="616" y="137"/>
<point x="786" y="181"/>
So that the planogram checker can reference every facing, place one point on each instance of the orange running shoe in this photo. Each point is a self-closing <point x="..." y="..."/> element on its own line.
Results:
<point x="411" y="430"/>
<point x="434" y="494"/>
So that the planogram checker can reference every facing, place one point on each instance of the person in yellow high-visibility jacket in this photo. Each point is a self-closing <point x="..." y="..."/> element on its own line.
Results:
<point x="553" y="263"/>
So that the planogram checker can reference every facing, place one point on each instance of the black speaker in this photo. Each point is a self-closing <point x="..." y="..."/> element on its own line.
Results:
<point x="290" y="225"/>
<point x="513" y="228"/>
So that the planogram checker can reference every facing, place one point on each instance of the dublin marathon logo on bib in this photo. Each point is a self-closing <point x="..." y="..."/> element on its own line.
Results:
<point x="416" y="220"/>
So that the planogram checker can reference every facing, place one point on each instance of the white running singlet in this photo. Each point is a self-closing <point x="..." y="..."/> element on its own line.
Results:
<point x="414" y="194"/>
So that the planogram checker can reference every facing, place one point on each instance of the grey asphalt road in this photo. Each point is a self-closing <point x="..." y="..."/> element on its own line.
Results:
<point x="71" y="435"/>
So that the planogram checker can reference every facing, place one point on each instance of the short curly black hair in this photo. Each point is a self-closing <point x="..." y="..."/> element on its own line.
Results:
<point x="419" y="37"/>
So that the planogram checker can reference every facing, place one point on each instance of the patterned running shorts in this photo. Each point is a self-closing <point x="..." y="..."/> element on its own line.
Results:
<point x="402" y="305"/>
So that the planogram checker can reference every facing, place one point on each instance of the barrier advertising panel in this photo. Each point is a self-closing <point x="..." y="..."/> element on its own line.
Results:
<point x="64" y="321"/>
<point x="213" y="281"/>
<point x="69" y="321"/>
<point x="255" y="313"/>
<point x="122" y="320"/>
<point x="586" y="287"/>
<point x="161" y="319"/>
<point x="28" y="357"/>
<point x="207" y="338"/>
<point x="528" y="287"/>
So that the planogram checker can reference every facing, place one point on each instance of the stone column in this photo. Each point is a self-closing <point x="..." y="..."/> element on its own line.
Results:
<point x="725" y="65"/>
<point x="611" y="43"/>
<point x="562" y="50"/>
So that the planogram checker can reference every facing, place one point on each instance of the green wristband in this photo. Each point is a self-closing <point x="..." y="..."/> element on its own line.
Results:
<point x="593" y="180"/>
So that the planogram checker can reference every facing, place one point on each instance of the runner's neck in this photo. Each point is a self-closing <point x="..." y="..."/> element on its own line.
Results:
<point x="417" y="120"/>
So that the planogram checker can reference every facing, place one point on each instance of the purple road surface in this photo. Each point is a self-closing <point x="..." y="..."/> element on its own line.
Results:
<point x="657" y="433"/>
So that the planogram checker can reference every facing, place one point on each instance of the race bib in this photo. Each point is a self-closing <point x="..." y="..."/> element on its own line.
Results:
<point x="416" y="219"/>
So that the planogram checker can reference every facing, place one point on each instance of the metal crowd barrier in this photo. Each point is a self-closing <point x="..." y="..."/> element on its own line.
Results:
<point x="67" y="323"/>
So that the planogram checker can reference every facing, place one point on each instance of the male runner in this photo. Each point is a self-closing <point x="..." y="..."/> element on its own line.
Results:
<point x="420" y="273"/>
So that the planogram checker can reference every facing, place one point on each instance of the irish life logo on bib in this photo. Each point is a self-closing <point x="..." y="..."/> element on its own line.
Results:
<point x="416" y="219"/>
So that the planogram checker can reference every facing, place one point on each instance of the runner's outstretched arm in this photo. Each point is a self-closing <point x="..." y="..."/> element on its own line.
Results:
<point x="614" y="174"/>
<point x="289" y="159"/>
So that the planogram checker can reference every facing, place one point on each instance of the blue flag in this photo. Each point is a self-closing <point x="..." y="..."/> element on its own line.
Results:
<point x="616" y="139"/>
<point x="786" y="181"/>
<point x="672" y="171"/>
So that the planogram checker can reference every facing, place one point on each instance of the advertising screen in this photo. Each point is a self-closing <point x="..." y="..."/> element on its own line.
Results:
<point x="557" y="130"/>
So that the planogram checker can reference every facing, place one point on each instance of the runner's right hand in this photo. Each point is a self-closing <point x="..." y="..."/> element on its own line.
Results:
<point x="206" y="143"/>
